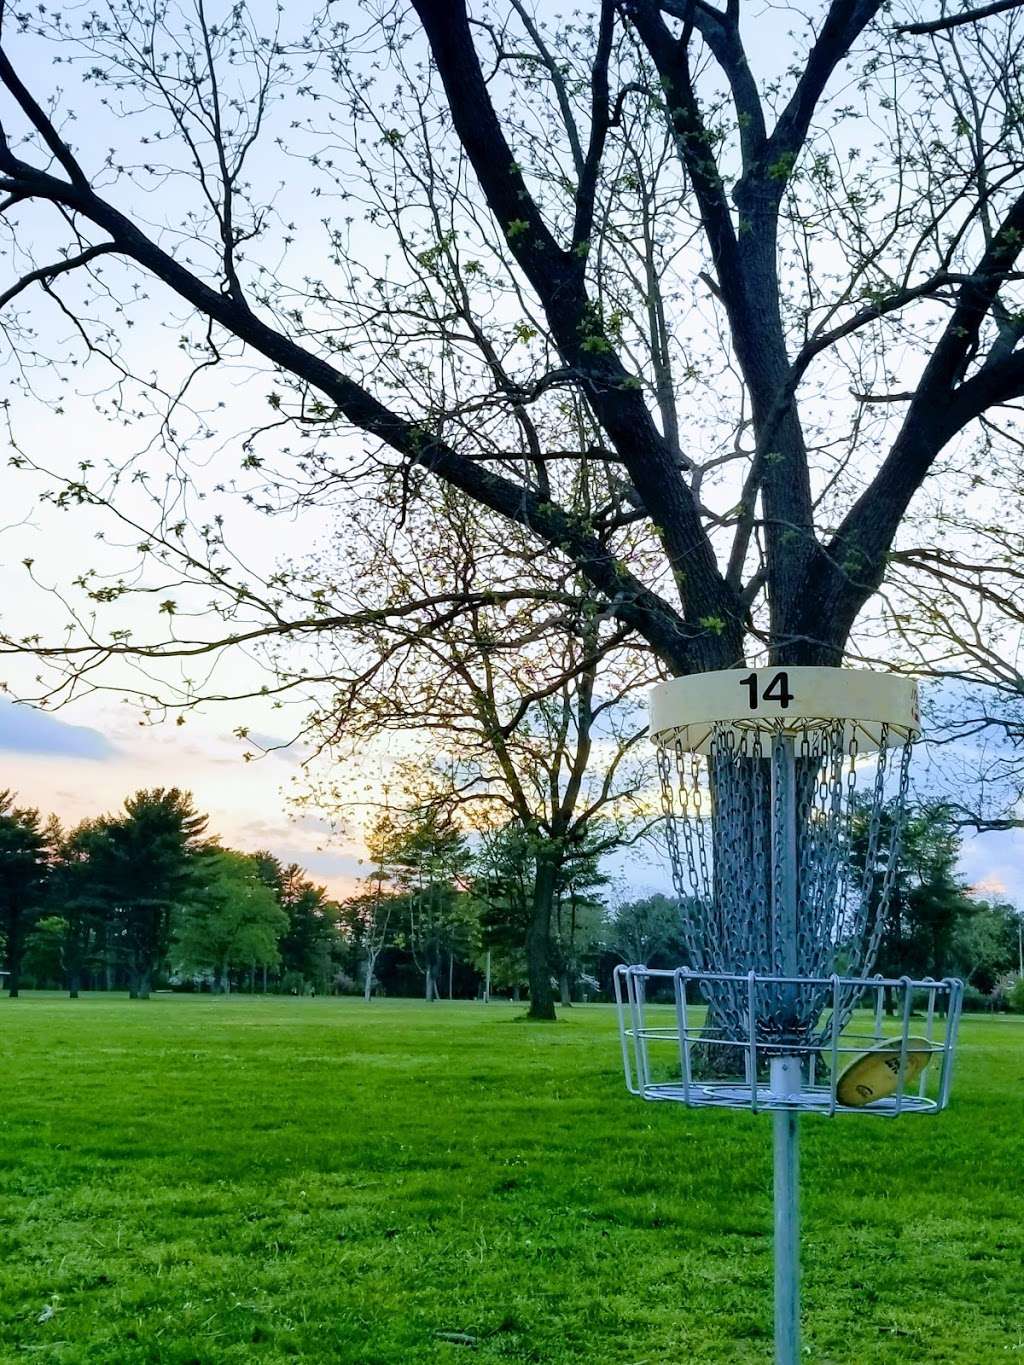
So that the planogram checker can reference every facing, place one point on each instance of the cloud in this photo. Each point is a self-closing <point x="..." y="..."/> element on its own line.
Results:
<point x="24" y="730"/>
<point x="993" y="864"/>
<point x="323" y="864"/>
<point x="264" y="832"/>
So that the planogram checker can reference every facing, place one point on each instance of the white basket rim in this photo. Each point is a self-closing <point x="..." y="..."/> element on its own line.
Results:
<point x="786" y="701"/>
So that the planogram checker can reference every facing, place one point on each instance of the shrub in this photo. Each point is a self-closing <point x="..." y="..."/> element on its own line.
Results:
<point x="976" y="1001"/>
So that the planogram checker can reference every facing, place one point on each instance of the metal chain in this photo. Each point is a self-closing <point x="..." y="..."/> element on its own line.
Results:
<point x="892" y="859"/>
<point x="724" y="826"/>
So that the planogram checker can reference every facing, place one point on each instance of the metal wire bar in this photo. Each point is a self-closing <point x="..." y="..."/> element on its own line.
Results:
<point x="660" y="1048"/>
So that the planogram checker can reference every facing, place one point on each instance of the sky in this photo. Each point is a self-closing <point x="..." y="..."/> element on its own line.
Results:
<point x="80" y="770"/>
<point x="85" y="758"/>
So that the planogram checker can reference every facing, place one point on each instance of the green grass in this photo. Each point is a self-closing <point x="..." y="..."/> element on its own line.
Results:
<point x="262" y="1180"/>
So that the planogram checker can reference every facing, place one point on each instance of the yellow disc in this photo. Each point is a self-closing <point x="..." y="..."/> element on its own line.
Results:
<point x="877" y="1074"/>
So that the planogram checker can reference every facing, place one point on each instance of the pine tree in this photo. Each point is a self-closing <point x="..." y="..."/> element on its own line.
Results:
<point x="24" y="865"/>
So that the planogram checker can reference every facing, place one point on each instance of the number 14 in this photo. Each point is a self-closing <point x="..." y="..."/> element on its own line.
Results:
<point x="776" y="689"/>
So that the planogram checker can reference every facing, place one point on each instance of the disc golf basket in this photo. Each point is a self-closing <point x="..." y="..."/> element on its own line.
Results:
<point x="784" y="792"/>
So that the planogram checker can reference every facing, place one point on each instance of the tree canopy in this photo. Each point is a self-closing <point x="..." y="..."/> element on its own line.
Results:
<point x="645" y="337"/>
<point x="233" y="919"/>
<point x="140" y="897"/>
<point x="765" y="282"/>
<point x="145" y="865"/>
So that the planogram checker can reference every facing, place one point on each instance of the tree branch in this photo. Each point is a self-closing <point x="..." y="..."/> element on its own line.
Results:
<point x="557" y="81"/>
<point x="721" y="33"/>
<point x="46" y="274"/>
<point x="970" y="16"/>
<point x="845" y="21"/>
<point x="671" y="58"/>
<point x="629" y="599"/>
<point x="559" y="279"/>
<point x="937" y="412"/>
<point x="35" y="115"/>
<point x="599" y="124"/>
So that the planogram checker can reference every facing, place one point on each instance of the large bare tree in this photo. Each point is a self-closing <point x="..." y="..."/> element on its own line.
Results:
<point x="774" y="279"/>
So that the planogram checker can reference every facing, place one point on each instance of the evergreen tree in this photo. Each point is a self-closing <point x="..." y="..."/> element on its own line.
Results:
<point x="43" y="959"/>
<point x="147" y="868"/>
<point x="311" y="936"/>
<point x="504" y="878"/>
<point x="24" y="865"/>
<point x="368" y="917"/>
<point x="432" y="865"/>
<point x="927" y="899"/>
<point x="502" y="887"/>
<point x="578" y="918"/>
<point x="79" y="895"/>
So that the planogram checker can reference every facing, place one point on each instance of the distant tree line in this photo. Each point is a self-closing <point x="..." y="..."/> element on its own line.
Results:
<point x="934" y="924"/>
<point x="445" y="915"/>
<point x="145" y="898"/>
<point x="432" y="901"/>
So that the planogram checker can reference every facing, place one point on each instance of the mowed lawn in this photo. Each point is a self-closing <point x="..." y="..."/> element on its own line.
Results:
<point x="197" y="1179"/>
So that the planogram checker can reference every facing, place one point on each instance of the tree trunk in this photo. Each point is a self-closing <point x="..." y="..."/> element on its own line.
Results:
<point x="225" y="976"/>
<point x="564" y="988"/>
<point x="264" y="978"/>
<point x="538" y="939"/>
<point x="74" y="982"/>
<point x="371" y="963"/>
<point x="14" y="959"/>
<point x="139" y="981"/>
<point x="487" y="980"/>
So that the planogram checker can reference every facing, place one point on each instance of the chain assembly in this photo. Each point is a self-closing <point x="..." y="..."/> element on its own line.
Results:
<point x="725" y="831"/>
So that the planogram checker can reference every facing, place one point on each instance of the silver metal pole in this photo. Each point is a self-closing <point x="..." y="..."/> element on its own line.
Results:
<point x="487" y="980"/>
<point x="785" y="1080"/>
<point x="785" y="1071"/>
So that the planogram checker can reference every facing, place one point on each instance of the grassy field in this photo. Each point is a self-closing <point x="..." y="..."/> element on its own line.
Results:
<point x="207" y="1180"/>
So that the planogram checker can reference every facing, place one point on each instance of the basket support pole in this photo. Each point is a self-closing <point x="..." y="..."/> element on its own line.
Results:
<point x="785" y="1070"/>
<point x="785" y="1079"/>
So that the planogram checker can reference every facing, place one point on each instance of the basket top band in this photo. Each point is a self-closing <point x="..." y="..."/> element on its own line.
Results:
<point x="784" y="701"/>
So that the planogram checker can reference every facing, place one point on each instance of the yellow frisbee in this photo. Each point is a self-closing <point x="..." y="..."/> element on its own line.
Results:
<point x="877" y="1074"/>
